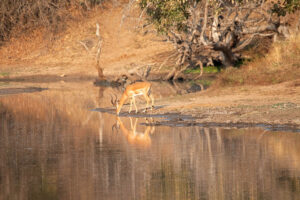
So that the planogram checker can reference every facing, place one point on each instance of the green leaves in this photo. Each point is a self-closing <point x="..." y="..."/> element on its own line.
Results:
<point x="166" y="14"/>
<point x="288" y="6"/>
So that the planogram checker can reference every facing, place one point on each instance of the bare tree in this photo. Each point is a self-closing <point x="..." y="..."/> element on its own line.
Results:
<point x="216" y="30"/>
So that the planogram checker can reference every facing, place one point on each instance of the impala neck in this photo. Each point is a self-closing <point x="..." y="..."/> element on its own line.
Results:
<point x="119" y="106"/>
<point x="123" y="128"/>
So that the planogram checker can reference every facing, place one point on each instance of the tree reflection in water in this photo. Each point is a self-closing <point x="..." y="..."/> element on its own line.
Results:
<point x="62" y="150"/>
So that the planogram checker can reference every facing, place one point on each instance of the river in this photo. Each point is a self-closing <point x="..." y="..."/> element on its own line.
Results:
<point x="55" y="145"/>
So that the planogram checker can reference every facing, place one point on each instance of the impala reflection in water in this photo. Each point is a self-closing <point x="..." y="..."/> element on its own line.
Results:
<point x="52" y="146"/>
<point x="135" y="137"/>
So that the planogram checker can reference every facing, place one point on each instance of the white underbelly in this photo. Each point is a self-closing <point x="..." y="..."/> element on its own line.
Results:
<point x="137" y="93"/>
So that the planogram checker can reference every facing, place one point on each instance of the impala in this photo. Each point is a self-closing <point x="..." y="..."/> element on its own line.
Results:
<point x="134" y="137"/>
<point x="131" y="91"/>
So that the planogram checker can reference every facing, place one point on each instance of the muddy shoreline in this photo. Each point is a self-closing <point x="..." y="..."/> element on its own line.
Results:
<point x="187" y="118"/>
<point x="276" y="107"/>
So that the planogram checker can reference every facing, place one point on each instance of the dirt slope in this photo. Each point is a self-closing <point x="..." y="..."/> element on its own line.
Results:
<point x="123" y="47"/>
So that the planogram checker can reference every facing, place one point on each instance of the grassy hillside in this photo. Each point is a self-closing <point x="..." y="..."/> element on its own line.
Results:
<point x="281" y="64"/>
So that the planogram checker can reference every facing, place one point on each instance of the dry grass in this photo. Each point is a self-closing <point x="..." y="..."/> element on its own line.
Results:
<point x="123" y="48"/>
<point x="281" y="64"/>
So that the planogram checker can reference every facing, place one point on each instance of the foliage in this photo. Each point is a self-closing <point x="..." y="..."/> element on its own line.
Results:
<point x="166" y="14"/>
<point x="281" y="64"/>
<point x="287" y="6"/>
<point x="204" y="31"/>
<point x="208" y="70"/>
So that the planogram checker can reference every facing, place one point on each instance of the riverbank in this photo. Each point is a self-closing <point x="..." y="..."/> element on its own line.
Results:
<point x="277" y="104"/>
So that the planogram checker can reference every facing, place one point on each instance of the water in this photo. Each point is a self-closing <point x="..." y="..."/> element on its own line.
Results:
<point x="53" y="146"/>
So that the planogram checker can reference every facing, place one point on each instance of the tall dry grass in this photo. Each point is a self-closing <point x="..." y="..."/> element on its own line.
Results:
<point x="22" y="16"/>
<point x="281" y="64"/>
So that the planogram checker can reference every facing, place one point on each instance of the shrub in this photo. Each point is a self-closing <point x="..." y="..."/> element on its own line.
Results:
<point x="281" y="64"/>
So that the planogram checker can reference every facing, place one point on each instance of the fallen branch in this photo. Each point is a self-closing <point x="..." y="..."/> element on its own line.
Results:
<point x="168" y="58"/>
<point x="85" y="46"/>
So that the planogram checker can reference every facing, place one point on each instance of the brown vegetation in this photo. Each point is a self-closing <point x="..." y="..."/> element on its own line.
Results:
<point x="281" y="64"/>
<point x="122" y="50"/>
<point x="22" y="16"/>
<point x="74" y="51"/>
<point x="206" y="32"/>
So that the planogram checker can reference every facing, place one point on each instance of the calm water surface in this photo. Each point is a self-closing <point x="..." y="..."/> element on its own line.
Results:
<point x="52" y="146"/>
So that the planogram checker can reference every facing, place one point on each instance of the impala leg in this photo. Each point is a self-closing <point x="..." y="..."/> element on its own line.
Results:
<point x="131" y="124"/>
<point x="130" y="108"/>
<point x="152" y="101"/>
<point x="148" y="100"/>
<point x="133" y="99"/>
<point x="134" y="127"/>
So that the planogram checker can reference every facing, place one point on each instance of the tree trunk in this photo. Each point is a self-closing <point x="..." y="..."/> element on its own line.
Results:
<point x="179" y="74"/>
<point x="201" y="70"/>
<point x="227" y="56"/>
<point x="100" y="73"/>
<point x="170" y="75"/>
<point x="227" y="59"/>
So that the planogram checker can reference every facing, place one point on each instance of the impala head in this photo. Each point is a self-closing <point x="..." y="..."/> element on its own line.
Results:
<point x="116" y="126"/>
<point x="115" y="102"/>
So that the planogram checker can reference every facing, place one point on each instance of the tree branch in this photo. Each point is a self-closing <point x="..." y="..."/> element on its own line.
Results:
<point x="202" y="39"/>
